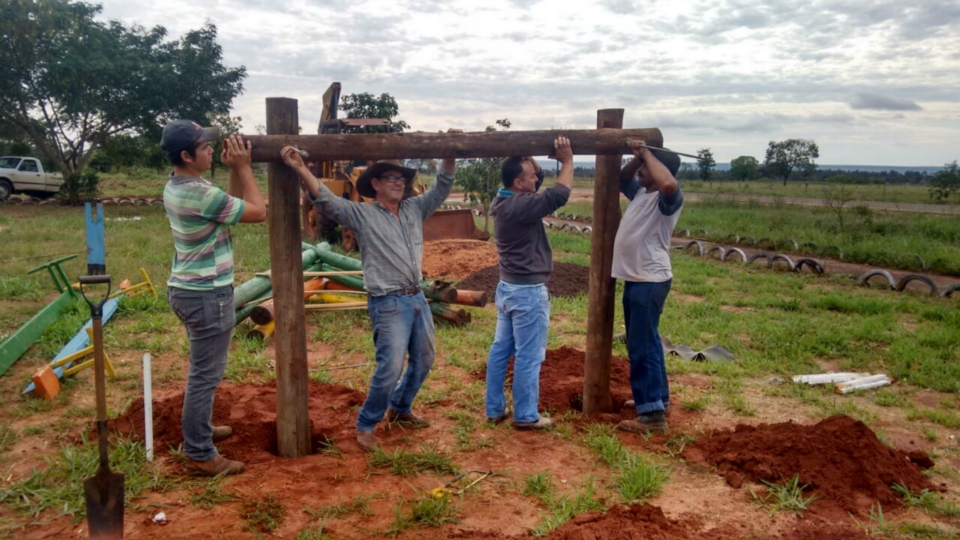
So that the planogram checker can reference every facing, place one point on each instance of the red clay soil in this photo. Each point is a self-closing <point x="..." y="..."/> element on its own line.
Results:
<point x="846" y="467"/>
<point x="561" y="381"/>
<point x="456" y="259"/>
<point x="636" y="522"/>
<point x="251" y="411"/>
<point x="567" y="280"/>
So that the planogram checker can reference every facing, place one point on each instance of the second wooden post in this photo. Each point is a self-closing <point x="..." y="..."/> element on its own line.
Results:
<point x="602" y="288"/>
<point x="286" y="271"/>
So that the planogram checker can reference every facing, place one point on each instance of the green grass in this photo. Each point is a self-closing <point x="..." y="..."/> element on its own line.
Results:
<point x="928" y="502"/>
<point x="405" y="463"/>
<point x="357" y="505"/>
<point x="211" y="494"/>
<point x="311" y="533"/>
<point x="943" y="418"/>
<point x="265" y="514"/>
<point x="637" y="478"/>
<point x="59" y="486"/>
<point x="426" y="510"/>
<point x="563" y="508"/>
<point x="8" y="436"/>
<point x="538" y="485"/>
<point x="784" y="497"/>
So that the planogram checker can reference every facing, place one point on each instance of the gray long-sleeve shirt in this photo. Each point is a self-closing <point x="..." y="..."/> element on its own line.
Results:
<point x="391" y="248"/>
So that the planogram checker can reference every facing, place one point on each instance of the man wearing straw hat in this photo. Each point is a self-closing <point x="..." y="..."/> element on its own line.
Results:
<point x="390" y="233"/>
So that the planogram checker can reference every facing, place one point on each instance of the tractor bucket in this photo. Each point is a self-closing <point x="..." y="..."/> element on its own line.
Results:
<point x="452" y="225"/>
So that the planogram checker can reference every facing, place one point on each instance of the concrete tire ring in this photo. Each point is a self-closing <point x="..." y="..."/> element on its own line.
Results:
<point x="949" y="290"/>
<point x="905" y="280"/>
<point x="768" y="241"/>
<point x="812" y="264"/>
<point x="743" y="256"/>
<point x="827" y="249"/>
<point x="812" y="245"/>
<point x="781" y="257"/>
<point x="697" y="244"/>
<point x="792" y="242"/>
<point x="748" y="240"/>
<point x="764" y="256"/>
<point x="685" y="233"/>
<point x="587" y="230"/>
<point x="864" y="279"/>
<point x="732" y="238"/>
<point x="923" y="263"/>
<point x="717" y="249"/>
<point x="156" y="202"/>
<point x="702" y="232"/>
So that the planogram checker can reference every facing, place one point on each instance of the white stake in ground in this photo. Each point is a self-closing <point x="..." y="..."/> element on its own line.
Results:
<point x="148" y="406"/>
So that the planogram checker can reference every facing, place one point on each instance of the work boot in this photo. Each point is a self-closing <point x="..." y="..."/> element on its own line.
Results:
<point x="213" y="467"/>
<point x="541" y="424"/>
<point x="409" y="419"/>
<point x="654" y="422"/>
<point x="631" y="404"/>
<point x="221" y="432"/>
<point x="367" y="440"/>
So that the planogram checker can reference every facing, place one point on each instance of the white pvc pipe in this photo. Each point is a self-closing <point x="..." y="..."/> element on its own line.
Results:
<point x="148" y="406"/>
<point x="828" y="378"/>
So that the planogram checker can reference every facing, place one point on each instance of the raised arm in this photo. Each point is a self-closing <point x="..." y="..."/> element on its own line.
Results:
<point x="440" y="190"/>
<point x="343" y="211"/>
<point x="658" y="172"/>
<point x="243" y="185"/>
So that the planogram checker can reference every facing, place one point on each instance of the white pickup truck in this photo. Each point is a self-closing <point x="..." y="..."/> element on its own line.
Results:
<point x="26" y="175"/>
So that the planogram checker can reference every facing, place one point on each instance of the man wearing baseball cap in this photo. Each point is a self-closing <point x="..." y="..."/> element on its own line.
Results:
<point x="390" y="233"/>
<point x="641" y="258"/>
<point x="200" y="288"/>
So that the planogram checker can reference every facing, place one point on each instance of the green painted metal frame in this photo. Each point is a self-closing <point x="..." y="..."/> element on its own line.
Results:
<point x="17" y="343"/>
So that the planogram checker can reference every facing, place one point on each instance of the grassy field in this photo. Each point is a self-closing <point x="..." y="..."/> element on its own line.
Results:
<point x="777" y="325"/>
<point x="901" y="193"/>
<point x="882" y="239"/>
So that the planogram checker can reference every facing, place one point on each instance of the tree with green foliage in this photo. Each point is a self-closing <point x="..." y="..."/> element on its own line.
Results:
<point x="480" y="178"/>
<point x="69" y="82"/>
<point x="705" y="163"/>
<point x="744" y="168"/>
<point x="784" y="157"/>
<point x="228" y="125"/>
<point x="366" y="105"/>
<point x="945" y="182"/>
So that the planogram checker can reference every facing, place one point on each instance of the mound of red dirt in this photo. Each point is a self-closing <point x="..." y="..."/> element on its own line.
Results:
<point x="455" y="259"/>
<point x="636" y="522"/>
<point x="567" y="280"/>
<point x="561" y="380"/>
<point x="839" y="458"/>
<point x="251" y="411"/>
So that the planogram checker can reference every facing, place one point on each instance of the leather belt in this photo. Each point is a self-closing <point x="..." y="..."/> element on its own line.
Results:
<point x="407" y="291"/>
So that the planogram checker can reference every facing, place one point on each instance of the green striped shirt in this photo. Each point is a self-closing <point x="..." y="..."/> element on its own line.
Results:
<point x="200" y="215"/>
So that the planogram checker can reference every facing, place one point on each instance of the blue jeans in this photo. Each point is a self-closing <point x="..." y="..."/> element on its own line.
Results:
<point x="401" y="325"/>
<point x="209" y="318"/>
<point x="642" y="306"/>
<point x="523" y="316"/>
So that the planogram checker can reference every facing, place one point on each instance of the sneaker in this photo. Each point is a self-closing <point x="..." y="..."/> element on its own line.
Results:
<point x="654" y="422"/>
<point x="410" y="419"/>
<point x="221" y="432"/>
<point x="541" y="423"/>
<point x="367" y="440"/>
<point x="213" y="467"/>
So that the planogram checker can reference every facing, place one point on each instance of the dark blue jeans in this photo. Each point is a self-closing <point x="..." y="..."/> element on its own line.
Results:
<point x="642" y="306"/>
<point x="209" y="318"/>
<point x="401" y="325"/>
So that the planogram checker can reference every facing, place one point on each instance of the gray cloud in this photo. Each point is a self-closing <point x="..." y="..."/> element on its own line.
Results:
<point x="623" y="7"/>
<point x="869" y="100"/>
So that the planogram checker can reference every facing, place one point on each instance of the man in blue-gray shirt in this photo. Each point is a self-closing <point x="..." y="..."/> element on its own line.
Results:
<point x="390" y="230"/>
<point x="523" y="303"/>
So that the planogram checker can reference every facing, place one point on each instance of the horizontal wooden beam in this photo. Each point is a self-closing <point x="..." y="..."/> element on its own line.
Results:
<point x="266" y="148"/>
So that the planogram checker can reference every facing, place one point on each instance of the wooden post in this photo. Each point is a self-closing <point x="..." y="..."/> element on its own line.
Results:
<point x="602" y="288"/>
<point x="286" y="271"/>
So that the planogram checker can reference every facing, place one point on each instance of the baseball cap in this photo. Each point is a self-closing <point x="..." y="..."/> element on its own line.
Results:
<point x="181" y="135"/>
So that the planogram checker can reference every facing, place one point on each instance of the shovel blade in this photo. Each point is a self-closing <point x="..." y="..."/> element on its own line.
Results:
<point x="104" y="495"/>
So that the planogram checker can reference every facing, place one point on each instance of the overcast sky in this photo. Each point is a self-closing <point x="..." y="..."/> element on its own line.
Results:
<point x="873" y="83"/>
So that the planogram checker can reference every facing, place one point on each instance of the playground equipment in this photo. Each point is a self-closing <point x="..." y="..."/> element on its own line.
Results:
<point x="17" y="343"/>
<point x="47" y="381"/>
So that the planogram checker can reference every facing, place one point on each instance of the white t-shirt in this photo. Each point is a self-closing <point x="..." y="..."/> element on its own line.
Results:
<point x="641" y="251"/>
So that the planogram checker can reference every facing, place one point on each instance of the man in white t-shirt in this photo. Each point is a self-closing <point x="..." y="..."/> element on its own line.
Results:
<point x="641" y="257"/>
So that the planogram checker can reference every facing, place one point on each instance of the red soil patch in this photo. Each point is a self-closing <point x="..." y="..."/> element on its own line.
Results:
<point x="455" y="259"/>
<point x="841" y="460"/>
<point x="636" y="522"/>
<point x="566" y="280"/>
<point x="251" y="411"/>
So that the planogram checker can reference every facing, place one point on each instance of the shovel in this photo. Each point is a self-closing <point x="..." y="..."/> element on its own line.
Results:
<point x="104" y="491"/>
